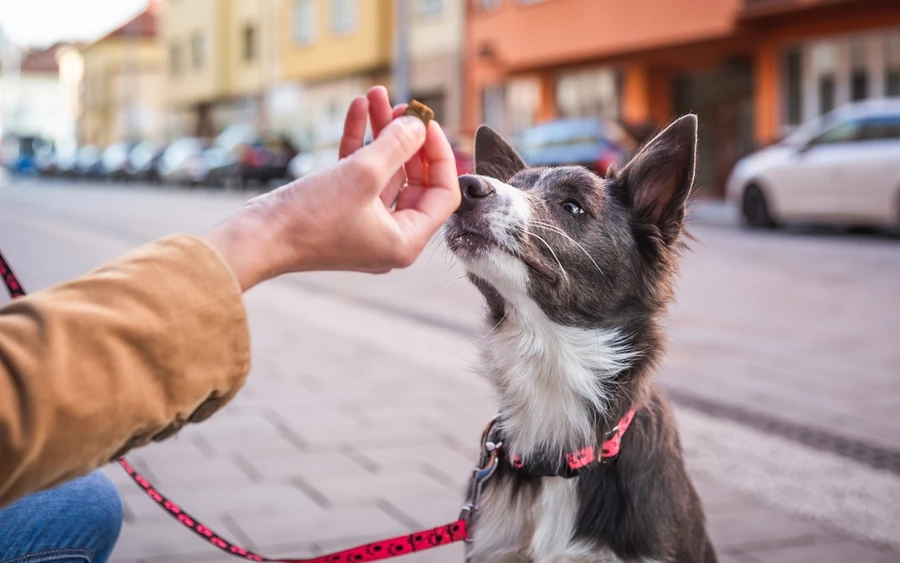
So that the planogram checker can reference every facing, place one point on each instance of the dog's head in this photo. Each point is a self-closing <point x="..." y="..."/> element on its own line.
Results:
<point x="589" y="251"/>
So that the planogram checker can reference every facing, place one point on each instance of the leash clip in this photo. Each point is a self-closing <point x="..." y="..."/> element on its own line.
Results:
<point x="487" y="465"/>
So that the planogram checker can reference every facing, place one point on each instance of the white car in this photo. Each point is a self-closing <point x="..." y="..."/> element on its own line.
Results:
<point x="843" y="168"/>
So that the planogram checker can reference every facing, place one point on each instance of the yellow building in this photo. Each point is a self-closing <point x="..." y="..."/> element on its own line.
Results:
<point x="435" y="46"/>
<point x="330" y="51"/>
<point x="122" y="89"/>
<point x="222" y="58"/>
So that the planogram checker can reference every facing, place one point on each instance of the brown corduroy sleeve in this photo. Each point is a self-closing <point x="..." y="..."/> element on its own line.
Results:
<point x="124" y="355"/>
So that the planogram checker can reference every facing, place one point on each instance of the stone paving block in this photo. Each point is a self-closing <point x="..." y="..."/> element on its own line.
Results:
<point x="222" y="473"/>
<point x="310" y="465"/>
<point x="373" y="488"/>
<point x="845" y="552"/>
<point x="376" y="434"/>
<point x="345" y="527"/>
<point x="758" y="527"/>
<point x="315" y="416"/>
<point x="455" y="466"/>
<point x="251" y="440"/>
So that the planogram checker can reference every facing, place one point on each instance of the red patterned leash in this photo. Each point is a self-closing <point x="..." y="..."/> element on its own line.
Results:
<point x="375" y="551"/>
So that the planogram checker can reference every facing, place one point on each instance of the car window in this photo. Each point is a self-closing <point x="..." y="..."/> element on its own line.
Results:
<point x="845" y="132"/>
<point x="881" y="128"/>
<point x="560" y="133"/>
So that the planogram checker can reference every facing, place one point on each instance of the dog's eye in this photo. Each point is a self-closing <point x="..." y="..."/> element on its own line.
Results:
<point x="572" y="207"/>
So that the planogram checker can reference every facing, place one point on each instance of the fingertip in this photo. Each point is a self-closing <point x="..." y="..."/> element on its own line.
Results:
<point x="376" y="92"/>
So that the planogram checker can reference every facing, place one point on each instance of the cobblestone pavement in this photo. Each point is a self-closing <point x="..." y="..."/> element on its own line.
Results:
<point x="363" y="407"/>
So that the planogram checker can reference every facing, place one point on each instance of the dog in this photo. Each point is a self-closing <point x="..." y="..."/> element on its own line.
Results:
<point x="576" y="271"/>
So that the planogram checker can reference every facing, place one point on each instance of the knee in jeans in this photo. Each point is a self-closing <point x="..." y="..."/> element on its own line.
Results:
<point x="107" y="502"/>
<point x="98" y="503"/>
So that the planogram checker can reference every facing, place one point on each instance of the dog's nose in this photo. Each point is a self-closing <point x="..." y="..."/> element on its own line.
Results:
<point x="474" y="190"/>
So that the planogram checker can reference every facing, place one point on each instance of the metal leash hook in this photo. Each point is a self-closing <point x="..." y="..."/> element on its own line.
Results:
<point x="487" y="465"/>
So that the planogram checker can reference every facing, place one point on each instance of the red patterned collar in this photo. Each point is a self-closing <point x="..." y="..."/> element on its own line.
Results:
<point x="574" y="462"/>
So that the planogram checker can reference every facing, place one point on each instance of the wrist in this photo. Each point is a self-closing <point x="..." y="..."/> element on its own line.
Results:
<point x="247" y="242"/>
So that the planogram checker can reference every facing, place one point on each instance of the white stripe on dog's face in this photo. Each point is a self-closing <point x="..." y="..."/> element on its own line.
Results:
<point x="505" y="220"/>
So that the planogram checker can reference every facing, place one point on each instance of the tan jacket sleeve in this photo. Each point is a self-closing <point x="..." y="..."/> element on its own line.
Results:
<point x="124" y="355"/>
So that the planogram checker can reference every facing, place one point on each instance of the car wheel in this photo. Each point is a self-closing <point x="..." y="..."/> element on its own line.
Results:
<point x="755" y="208"/>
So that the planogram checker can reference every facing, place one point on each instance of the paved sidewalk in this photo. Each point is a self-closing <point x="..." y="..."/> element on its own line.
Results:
<point x="354" y="427"/>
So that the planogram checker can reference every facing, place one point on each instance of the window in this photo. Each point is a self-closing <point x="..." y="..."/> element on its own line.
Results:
<point x="492" y="104"/>
<point x="881" y="128"/>
<point x="892" y="64"/>
<point x="198" y="50"/>
<point x="824" y="58"/>
<point x="304" y="22"/>
<point x="793" y="84"/>
<point x="175" y="62"/>
<point x="841" y="133"/>
<point x="343" y="16"/>
<point x="249" y="43"/>
<point x="431" y="7"/>
<point x="859" y="75"/>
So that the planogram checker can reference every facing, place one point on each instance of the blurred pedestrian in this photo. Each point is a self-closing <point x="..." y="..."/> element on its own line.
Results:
<point x="158" y="338"/>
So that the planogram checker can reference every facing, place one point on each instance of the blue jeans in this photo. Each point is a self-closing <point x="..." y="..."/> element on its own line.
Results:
<point x="77" y="522"/>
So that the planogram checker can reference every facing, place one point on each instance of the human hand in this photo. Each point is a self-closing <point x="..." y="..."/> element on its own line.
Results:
<point x="356" y="215"/>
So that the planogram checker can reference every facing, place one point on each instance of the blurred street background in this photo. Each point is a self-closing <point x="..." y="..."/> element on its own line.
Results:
<point x="125" y="120"/>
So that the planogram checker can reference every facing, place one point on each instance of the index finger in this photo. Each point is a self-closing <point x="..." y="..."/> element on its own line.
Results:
<point x="354" y="127"/>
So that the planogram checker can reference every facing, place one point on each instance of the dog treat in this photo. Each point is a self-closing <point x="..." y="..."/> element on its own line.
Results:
<point x="420" y="110"/>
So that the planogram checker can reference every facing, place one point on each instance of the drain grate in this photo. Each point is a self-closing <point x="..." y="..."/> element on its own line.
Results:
<point x="872" y="455"/>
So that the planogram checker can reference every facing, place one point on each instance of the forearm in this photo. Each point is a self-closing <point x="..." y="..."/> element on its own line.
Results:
<point x="115" y="359"/>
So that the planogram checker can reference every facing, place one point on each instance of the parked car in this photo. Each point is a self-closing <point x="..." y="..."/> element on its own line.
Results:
<point x="843" y="168"/>
<point x="240" y="155"/>
<point x="143" y="161"/>
<point x="64" y="162"/>
<point x="45" y="160"/>
<point x="114" y="159"/>
<point x="594" y="143"/>
<point x="17" y="154"/>
<point x="307" y="162"/>
<point x="88" y="162"/>
<point x="183" y="163"/>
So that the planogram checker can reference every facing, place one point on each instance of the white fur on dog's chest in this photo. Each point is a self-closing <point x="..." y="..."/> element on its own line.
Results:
<point x="504" y="525"/>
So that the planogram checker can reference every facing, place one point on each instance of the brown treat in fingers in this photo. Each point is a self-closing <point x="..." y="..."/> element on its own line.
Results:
<point x="420" y="110"/>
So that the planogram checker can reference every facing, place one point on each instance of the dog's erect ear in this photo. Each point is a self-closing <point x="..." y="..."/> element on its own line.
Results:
<point x="494" y="157"/>
<point x="658" y="180"/>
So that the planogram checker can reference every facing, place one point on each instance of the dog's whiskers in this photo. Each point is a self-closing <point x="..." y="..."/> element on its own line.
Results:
<point x="557" y="230"/>
<point x="553" y="252"/>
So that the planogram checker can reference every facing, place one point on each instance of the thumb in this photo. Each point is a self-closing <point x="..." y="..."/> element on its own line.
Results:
<point x="396" y="145"/>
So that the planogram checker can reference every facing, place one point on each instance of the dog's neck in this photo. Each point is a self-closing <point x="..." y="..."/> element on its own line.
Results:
<point x="555" y="382"/>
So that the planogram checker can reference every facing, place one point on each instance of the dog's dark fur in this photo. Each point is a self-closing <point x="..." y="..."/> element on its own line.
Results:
<point x="563" y="256"/>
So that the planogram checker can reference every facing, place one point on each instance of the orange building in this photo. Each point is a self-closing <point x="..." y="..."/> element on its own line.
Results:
<point x="752" y="69"/>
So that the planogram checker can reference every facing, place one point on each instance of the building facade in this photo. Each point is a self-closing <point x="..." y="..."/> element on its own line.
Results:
<point x="751" y="69"/>
<point x="435" y="67"/>
<point x="222" y="58"/>
<point x="122" y="83"/>
<point x="330" y="52"/>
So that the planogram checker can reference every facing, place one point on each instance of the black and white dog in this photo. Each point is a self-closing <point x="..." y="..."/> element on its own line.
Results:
<point x="576" y="271"/>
